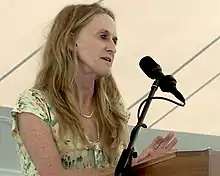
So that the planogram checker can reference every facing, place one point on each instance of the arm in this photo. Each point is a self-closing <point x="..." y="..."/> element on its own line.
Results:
<point x="38" y="141"/>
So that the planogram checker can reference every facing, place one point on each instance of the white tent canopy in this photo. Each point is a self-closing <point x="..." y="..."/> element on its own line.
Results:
<point x="172" y="32"/>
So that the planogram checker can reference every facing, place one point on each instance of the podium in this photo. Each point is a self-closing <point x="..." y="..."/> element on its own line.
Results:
<point x="181" y="163"/>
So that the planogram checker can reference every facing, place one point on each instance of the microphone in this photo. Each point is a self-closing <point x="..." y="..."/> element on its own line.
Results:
<point x="167" y="83"/>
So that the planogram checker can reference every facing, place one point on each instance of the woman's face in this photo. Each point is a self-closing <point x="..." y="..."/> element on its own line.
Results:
<point x="96" y="45"/>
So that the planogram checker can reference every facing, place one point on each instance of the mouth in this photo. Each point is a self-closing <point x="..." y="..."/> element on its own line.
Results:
<point x="108" y="59"/>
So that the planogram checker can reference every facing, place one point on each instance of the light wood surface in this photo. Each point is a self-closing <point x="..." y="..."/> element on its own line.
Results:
<point x="182" y="163"/>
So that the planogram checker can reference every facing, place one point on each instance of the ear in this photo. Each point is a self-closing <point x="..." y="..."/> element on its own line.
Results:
<point x="76" y="47"/>
<point x="72" y="46"/>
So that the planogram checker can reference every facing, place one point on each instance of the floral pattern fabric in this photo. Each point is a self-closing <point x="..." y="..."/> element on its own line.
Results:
<point x="33" y="101"/>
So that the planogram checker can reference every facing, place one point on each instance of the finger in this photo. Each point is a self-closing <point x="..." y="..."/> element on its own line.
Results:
<point x="170" y="135"/>
<point x="146" y="151"/>
<point x="166" y="141"/>
<point x="141" y="158"/>
<point x="145" y="154"/>
<point x="172" y="144"/>
<point x="156" y="142"/>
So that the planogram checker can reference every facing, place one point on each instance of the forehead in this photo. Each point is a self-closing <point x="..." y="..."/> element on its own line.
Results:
<point x="101" y="22"/>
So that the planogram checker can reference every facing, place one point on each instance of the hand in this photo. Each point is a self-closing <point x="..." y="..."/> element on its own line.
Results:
<point x="159" y="146"/>
<point x="167" y="142"/>
<point x="150" y="153"/>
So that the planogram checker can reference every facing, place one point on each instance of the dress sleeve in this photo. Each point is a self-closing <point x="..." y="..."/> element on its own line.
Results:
<point x="31" y="101"/>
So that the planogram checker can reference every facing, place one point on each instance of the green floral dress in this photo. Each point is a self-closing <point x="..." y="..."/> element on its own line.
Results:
<point x="34" y="102"/>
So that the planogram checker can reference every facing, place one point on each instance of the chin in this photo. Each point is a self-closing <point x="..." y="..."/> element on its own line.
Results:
<point x="104" y="73"/>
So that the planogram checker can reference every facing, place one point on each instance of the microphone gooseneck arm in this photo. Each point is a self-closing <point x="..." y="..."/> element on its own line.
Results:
<point x="124" y="165"/>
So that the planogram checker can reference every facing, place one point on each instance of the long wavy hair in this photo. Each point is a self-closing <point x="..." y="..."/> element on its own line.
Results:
<point x="57" y="79"/>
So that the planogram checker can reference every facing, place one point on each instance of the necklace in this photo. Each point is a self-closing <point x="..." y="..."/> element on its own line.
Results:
<point x="88" y="116"/>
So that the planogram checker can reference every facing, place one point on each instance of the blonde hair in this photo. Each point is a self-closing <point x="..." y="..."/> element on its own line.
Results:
<point x="57" y="79"/>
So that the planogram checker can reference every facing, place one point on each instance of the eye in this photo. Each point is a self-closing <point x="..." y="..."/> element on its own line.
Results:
<point x="104" y="37"/>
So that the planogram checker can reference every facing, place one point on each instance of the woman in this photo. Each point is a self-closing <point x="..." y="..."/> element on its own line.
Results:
<point x="73" y="122"/>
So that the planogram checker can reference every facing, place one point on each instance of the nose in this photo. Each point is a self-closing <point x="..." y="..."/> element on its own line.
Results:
<point x="111" y="47"/>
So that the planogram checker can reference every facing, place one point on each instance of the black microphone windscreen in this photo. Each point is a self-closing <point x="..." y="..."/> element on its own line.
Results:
<point x="150" y="67"/>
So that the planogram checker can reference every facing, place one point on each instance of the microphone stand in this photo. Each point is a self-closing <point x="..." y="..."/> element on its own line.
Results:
<point x="124" y="166"/>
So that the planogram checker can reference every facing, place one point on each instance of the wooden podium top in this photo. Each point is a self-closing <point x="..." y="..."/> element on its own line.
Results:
<point x="182" y="163"/>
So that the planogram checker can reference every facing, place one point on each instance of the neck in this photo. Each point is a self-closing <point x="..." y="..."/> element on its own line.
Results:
<point x="85" y="83"/>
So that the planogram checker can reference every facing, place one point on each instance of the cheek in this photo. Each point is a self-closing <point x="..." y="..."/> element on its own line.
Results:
<point x="89" y="52"/>
<point x="85" y="53"/>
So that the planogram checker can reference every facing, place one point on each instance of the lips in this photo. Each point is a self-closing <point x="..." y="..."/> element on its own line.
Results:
<point x="108" y="59"/>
